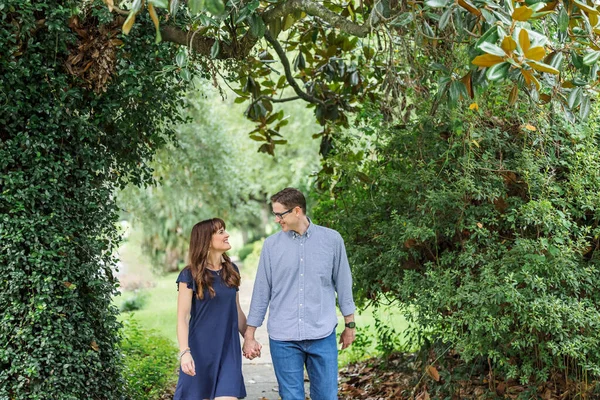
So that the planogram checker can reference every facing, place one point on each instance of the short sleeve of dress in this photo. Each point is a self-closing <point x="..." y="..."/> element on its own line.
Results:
<point x="185" y="276"/>
<point x="235" y="267"/>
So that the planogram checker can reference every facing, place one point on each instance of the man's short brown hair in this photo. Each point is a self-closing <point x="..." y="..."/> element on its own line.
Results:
<point x="290" y="198"/>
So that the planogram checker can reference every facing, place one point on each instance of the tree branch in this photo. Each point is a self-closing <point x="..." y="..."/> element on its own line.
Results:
<point x="288" y="71"/>
<point x="315" y="9"/>
<point x="203" y="44"/>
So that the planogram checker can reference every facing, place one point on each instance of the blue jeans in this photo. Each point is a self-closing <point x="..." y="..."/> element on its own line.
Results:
<point x="320" y="358"/>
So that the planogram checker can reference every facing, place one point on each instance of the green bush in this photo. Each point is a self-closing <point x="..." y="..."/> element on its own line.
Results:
<point x="83" y="110"/>
<point x="150" y="362"/>
<point x="251" y="260"/>
<point x="245" y="251"/>
<point x="488" y="229"/>
<point x="135" y="302"/>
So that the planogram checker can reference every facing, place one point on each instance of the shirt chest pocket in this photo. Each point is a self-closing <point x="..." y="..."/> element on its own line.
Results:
<point x="320" y="266"/>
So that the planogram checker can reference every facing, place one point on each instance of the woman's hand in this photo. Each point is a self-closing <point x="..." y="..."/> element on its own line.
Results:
<point x="187" y="365"/>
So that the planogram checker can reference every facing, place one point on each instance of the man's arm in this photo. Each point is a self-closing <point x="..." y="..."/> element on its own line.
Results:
<point x="261" y="296"/>
<point x="342" y="278"/>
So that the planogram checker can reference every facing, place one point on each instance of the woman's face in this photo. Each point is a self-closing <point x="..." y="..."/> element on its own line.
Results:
<point x="220" y="240"/>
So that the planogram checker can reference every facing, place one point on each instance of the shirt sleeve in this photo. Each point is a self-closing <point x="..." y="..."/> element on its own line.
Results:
<point x="342" y="279"/>
<point x="261" y="294"/>
<point x="185" y="276"/>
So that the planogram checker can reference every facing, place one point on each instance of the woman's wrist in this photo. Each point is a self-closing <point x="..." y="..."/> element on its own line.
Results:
<point x="184" y="352"/>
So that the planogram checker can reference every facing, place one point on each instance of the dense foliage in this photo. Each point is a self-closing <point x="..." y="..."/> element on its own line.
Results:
<point x="485" y="227"/>
<point x="337" y="54"/>
<point x="150" y="362"/>
<point x="83" y="109"/>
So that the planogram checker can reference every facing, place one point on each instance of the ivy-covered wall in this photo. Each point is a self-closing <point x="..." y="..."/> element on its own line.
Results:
<point x="82" y="110"/>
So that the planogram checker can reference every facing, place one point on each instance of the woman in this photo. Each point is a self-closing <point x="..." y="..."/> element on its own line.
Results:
<point x="209" y="318"/>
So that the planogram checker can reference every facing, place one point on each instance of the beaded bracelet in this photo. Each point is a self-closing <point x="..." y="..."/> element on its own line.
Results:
<point x="184" y="352"/>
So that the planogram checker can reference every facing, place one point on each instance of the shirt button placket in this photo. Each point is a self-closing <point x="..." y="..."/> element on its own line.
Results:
<point x="301" y="294"/>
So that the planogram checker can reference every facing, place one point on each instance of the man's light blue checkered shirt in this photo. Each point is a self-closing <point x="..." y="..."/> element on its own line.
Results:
<point x="297" y="279"/>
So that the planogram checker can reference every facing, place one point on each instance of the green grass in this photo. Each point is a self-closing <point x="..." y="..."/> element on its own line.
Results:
<point x="160" y="310"/>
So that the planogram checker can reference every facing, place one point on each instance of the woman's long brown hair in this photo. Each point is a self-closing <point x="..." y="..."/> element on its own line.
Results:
<point x="200" y="239"/>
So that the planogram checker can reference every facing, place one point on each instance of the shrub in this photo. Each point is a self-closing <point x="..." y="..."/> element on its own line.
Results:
<point x="83" y="110"/>
<point x="486" y="227"/>
<point x="245" y="251"/>
<point x="135" y="302"/>
<point x="150" y="362"/>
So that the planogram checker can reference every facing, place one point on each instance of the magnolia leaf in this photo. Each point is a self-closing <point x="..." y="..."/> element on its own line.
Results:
<point x="436" y="3"/>
<point x="490" y="36"/>
<point x="498" y="71"/>
<point x="433" y="373"/>
<point x="514" y="95"/>
<point x="487" y="60"/>
<point x="492" y="49"/>
<point x="524" y="41"/>
<point x="467" y="81"/>
<point x="563" y="20"/>
<point x="530" y="79"/>
<point x="591" y="58"/>
<point x="214" y="50"/>
<point x="535" y="53"/>
<point x="584" y="110"/>
<point x="574" y="98"/>
<point x="288" y="22"/>
<point x="257" y="26"/>
<point x="530" y="127"/>
<point x="196" y="6"/>
<point x="136" y="6"/>
<point x="445" y="18"/>
<point x="522" y="13"/>
<point x="215" y="7"/>
<point x="159" y="3"/>
<point x="539" y="66"/>
<point x="585" y="7"/>
<point x="554" y="59"/>
<point x="181" y="58"/>
<point x="467" y="5"/>
<point x="128" y="24"/>
<point x="110" y="4"/>
<point x="174" y="6"/>
<point x="154" y="18"/>
<point x="508" y="44"/>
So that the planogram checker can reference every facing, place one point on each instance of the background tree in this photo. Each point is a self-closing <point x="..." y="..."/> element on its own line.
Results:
<point x="213" y="169"/>
<point x="346" y="52"/>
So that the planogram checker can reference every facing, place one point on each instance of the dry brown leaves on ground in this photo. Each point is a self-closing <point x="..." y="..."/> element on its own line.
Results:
<point x="402" y="377"/>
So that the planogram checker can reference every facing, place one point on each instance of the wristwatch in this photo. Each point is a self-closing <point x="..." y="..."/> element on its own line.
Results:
<point x="350" y="325"/>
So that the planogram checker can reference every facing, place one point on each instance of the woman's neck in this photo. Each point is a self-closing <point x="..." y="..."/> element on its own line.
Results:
<point x="214" y="260"/>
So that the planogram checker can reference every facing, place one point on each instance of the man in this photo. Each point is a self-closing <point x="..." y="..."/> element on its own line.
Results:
<point x="301" y="269"/>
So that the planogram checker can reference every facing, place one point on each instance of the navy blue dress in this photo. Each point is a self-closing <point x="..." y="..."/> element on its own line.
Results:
<point x="214" y="343"/>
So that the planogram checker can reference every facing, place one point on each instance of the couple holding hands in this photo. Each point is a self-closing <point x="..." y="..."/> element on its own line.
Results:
<point x="301" y="269"/>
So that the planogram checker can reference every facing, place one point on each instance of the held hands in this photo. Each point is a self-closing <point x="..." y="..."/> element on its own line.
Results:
<point x="347" y="337"/>
<point x="187" y="364"/>
<point x="251" y="349"/>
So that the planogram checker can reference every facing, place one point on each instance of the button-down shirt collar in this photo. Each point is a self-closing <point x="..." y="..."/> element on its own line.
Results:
<point x="309" y="230"/>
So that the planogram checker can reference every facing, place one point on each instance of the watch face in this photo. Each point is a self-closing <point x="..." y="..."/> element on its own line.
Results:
<point x="350" y="325"/>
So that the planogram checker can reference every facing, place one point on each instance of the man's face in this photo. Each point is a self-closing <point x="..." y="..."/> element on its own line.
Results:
<point x="287" y="218"/>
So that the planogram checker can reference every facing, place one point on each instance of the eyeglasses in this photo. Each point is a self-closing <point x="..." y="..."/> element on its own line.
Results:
<point x="283" y="214"/>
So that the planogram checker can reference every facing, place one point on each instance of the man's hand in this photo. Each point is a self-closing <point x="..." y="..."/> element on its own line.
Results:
<point x="347" y="337"/>
<point x="251" y="348"/>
